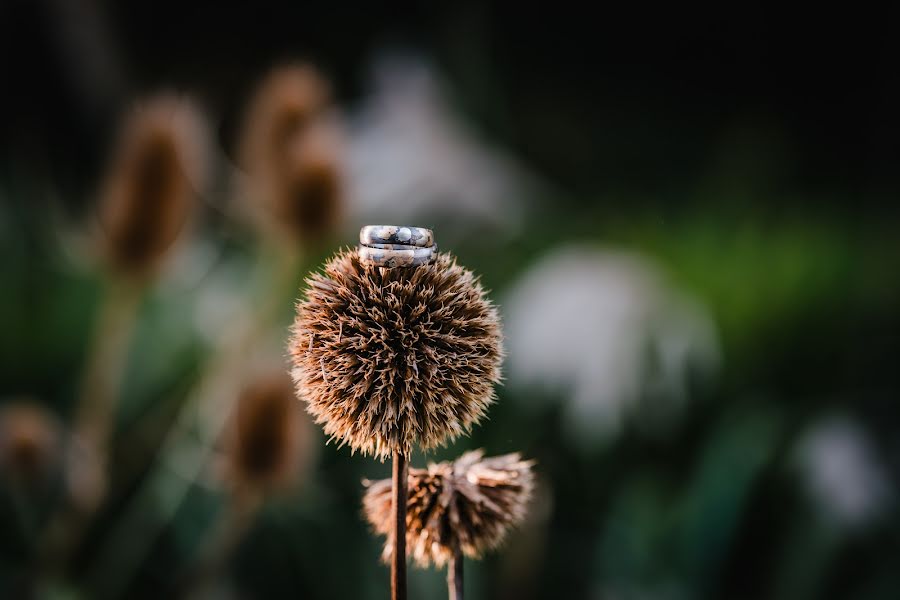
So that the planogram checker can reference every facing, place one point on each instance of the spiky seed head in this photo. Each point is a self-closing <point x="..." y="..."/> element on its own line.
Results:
<point x="154" y="175"/>
<point x="269" y="438"/>
<point x="469" y="504"/>
<point x="389" y="359"/>
<point x="290" y="152"/>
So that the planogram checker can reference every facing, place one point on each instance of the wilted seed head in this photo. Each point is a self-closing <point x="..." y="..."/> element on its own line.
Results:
<point x="469" y="504"/>
<point x="388" y="359"/>
<point x="30" y="443"/>
<point x="151" y="182"/>
<point x="288" y="148"/>
<point x="267" y="436"/>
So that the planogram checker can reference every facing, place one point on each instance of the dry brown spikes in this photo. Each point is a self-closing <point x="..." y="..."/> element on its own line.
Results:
<point x="389" y="359"/>
<point x="466" y="506"/>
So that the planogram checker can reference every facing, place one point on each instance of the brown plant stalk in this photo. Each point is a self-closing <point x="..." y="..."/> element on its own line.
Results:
<point x="153" y="178"/>
<point x="147" y="196"/>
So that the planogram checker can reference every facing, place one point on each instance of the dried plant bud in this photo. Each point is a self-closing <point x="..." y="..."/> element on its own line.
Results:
<point x="289" y="148"/>
<point x="153" y="178"/>
<point x="388" y="359"/>
<point x="30" y="443"/>
<point x="469" y="504"/>
<point x="269" y="437"/>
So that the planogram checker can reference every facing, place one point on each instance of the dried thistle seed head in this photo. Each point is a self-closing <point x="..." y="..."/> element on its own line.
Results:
<point x="30" y="443"/>
<point x="152" y="181"/>
<point x="469" y="504"/>
<point x="289" y="148"/>
<point x="269" y="436"/>
<point x="388" y="359"/>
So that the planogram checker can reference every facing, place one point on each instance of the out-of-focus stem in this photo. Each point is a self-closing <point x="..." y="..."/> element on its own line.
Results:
<point x="106" y="364"/>
<point x="222" y="540"/>
<point x="96" y="410"/>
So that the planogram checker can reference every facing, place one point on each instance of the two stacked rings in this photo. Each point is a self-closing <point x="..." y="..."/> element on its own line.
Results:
<point x="392" y="246"/>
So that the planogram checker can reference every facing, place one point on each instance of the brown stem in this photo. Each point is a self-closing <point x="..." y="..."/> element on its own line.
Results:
<point x="398" y="507"/>
<point x="455" y="575"/>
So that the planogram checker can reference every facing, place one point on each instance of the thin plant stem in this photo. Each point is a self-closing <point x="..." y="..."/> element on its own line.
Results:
<point x="398" y="508"/>
<point x="106" y="364"/>
<point x="95" y="413"/>
<point x="455" y="575"/>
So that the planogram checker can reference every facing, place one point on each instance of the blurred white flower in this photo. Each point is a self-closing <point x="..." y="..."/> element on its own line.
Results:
<point x="413" y="159"/>
<point x="842" y="473"/>
<point x="602" y="329"/>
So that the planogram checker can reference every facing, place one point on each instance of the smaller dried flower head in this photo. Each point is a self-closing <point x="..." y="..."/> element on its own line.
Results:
<point x="289" y="149"/>
<point x="30" y="443"/>
<point x="268" y="438"/>
<point x="389" y="359"/>
<point x="469" y="504"/>
<point x="154" y="175"/>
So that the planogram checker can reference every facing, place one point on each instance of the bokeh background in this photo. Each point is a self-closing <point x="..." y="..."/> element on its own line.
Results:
<point x="688" y="221"/>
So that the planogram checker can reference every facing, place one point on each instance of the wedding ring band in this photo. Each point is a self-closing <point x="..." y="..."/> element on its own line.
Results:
<point x="371" y="235"/>
<point x="390" y="258"/>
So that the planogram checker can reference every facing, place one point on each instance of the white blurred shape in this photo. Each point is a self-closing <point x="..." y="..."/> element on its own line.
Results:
<point x="842" y="473"/>
<point x="602" y="329"/>
<point x="413" y="159"/>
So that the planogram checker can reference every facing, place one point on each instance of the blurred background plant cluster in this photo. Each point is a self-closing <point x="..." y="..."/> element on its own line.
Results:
<point x="689" y="225"/>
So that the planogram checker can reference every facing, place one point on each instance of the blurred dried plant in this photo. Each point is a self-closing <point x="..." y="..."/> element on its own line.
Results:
<point x="269" y="441"/>
<point x="290" y="149"/>
<point x="40" y="461"/>
<point x="157" y="169"/>
<point x="156" y="172"/>
<point x="30" y="444"/>
<point x="465" y="506"/>
<point x="268" y="449"/>
<point x="36" y="450"/>
<point x="388" y="359"/>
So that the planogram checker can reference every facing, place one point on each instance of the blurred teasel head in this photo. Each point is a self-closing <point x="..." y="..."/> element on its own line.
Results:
<point x="466" y="506"/>
<point x="30" y="444"/>
<point x="290" y="150"/>
<point x="269" y="440"/>
<point x="157" y="169"/>
<point x="390" y="359"/>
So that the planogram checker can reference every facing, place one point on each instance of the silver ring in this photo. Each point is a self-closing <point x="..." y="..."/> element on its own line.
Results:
<point x="395" y="247"/>
<point x="371" y="235"/>
<point x="395" y="257"/>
